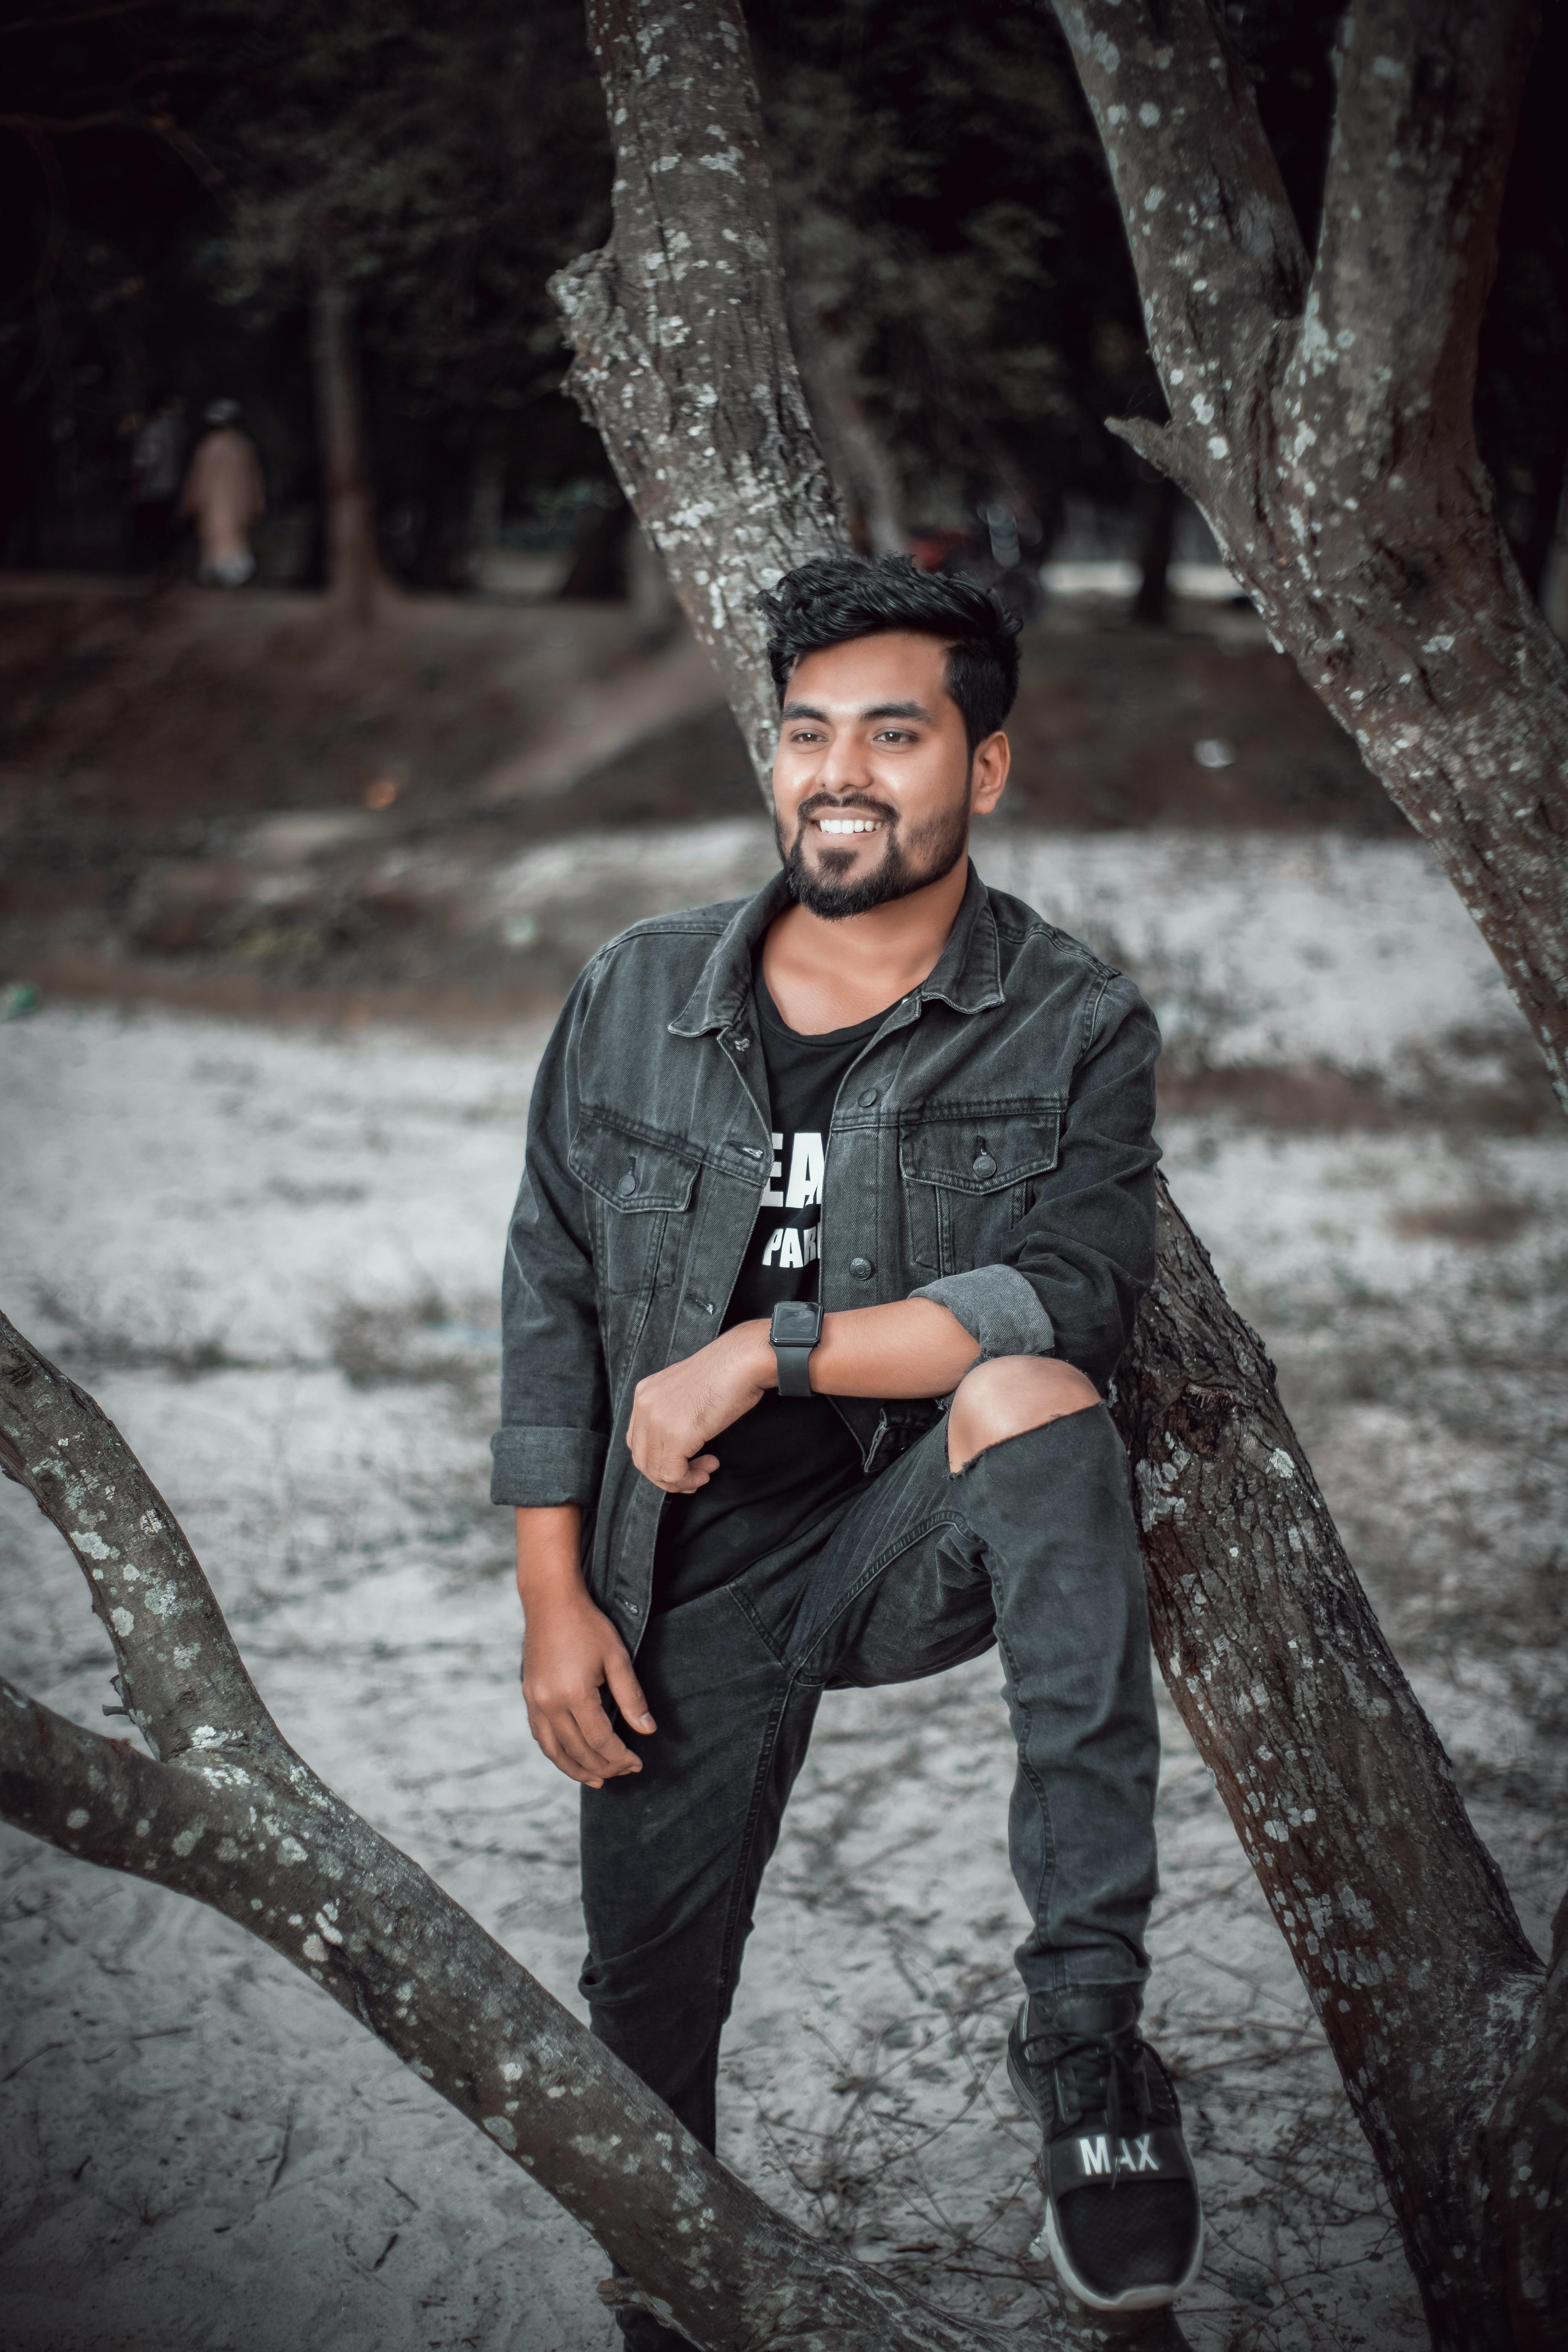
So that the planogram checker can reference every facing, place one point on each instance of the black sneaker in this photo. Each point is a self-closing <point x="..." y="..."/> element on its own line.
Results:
<point x="1122" y="2220"/>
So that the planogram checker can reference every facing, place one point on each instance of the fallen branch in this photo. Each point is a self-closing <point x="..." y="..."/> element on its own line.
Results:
<point x="223" y="1810"/>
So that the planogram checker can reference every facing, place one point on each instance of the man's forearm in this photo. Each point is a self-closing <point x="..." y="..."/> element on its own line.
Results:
<point x="549" y="1552"/>
<point x="912" y="1348"/>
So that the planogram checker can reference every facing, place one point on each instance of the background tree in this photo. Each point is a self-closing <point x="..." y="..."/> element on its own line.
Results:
<point x="1325" y="427"/>
<point x="402" y="169"/>
<point x="942" y="209"/>
<point x="397" y="177"/>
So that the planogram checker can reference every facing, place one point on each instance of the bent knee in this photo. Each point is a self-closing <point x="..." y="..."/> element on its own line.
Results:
<point x="1008" y="1396"/>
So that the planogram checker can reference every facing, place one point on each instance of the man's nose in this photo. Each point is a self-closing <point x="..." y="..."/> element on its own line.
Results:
<point x="845" y="768"/>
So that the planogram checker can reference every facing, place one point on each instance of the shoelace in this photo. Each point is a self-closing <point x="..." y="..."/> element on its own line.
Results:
<point x="1091" y="2070"/>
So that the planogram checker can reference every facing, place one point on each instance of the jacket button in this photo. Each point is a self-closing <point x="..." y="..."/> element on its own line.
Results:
<point x="867" y="1097"/>
<point x="741" y="1044"/>
<point x="983" y="1164"/>
<point x="627" y="1185"/>
<point x="861" y="1268"/>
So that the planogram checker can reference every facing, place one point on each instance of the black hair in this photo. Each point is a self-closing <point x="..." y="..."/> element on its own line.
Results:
<point x="832" y="599"/>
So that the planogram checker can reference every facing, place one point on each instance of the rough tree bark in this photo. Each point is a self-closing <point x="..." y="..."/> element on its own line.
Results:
<point x="683" y="349"/>
<point x="355" y="580"/>
<point x="224" y="1810"/>
<point x="1429" y="1991"/>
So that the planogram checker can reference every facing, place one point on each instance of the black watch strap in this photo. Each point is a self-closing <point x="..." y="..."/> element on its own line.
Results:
<point x="796" y="1329"/>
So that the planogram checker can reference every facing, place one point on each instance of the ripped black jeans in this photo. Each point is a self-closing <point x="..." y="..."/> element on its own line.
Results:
<point x="1031" y="1547"/>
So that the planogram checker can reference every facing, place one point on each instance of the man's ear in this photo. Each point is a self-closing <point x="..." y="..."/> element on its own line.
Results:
<point x="988" y="772"/>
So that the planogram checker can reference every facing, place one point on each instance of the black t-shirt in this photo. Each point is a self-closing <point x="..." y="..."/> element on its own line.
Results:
<point x="782" y="1462"/>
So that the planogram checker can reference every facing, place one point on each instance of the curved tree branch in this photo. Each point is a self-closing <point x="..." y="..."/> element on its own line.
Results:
<point x="239" y="1822"/>
<point x="182" y="1680"/>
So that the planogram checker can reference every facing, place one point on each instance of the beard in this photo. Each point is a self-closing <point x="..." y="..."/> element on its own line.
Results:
<point x="931" y="852"/>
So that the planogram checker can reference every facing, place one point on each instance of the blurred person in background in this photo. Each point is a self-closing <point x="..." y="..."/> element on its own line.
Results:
<point x="157" y="461"/>
<point x="225" y="495"/>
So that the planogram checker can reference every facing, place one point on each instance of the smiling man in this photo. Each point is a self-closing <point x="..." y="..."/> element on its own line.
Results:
<point x="838" y="1208"/>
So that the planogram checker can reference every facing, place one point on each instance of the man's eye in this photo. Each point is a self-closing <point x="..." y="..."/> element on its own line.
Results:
<point x="893" y="735"/>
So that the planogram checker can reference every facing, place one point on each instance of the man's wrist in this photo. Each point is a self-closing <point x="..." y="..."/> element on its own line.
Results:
<point x="757" y="1352"/>
<point x="549" y="1555"/>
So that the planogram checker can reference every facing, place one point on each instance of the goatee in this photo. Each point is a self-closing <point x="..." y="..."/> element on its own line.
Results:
<point x="933" y="852"/>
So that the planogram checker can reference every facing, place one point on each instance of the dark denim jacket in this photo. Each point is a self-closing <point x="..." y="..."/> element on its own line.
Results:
<point x="991" y="1148"/>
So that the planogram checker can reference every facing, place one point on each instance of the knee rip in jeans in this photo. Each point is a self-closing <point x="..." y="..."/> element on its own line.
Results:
<point x="1007" y="1396"/>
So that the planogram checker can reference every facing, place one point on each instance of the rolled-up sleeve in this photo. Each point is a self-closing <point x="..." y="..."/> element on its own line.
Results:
<point x="554" y="1432"/>
<point x="998" y="1307"/>
<point x="1080" y="1258"/>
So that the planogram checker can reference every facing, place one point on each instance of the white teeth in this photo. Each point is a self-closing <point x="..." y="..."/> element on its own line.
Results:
<point x="848" y="824"/>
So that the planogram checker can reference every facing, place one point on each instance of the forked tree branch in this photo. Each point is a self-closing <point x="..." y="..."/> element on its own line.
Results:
<point x="239" y="1822"/>
<point x="1327" y="434"/>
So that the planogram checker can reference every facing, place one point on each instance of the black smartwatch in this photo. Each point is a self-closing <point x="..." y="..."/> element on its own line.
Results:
<point x="794" y="1332"/>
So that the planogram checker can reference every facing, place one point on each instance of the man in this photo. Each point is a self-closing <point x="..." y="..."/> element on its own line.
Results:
<point x="224" y="493"/>
<point x="837" y="1207"/>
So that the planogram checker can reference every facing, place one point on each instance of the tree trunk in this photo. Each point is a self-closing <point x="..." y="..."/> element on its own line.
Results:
<point x="355" y="580"/>
<point x="1396" y="1915"/>
<point x="679" y="328"/>
<point x="224" y="1810"/>
<point x="1398" y="1920"/>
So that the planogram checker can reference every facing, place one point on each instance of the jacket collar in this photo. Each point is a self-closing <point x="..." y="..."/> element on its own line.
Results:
<point x="967" y="975"/>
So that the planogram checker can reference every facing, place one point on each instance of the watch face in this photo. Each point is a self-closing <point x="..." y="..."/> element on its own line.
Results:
<point x="796" y="1318"/>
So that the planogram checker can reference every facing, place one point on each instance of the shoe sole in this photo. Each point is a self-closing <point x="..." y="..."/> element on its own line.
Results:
<point x="1132" y="2298"/>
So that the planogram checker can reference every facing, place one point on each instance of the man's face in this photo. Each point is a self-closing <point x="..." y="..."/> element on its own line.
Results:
<point x="872" y="780"/>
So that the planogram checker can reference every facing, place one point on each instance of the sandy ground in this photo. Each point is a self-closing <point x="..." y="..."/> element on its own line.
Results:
<point x="273" y="1254"/>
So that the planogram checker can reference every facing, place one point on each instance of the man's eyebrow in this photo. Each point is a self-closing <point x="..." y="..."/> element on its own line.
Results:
<point x="877" y="710"/>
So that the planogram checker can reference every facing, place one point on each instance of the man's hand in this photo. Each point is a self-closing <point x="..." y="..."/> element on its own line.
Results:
<point x="675" y="1412"/>
<point x="570" y="1652"/>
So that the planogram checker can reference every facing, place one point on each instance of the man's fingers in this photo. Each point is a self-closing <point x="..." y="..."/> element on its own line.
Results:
<point x="600" y="1746"/>
<point x="576" y="1745"/>
<point x="551" y="1750"/>
<point x="627" y="1692"/>
<point x="681" y="1477"/>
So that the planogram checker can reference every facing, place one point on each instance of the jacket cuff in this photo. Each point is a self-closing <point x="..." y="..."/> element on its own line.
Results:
<point x="536" y="1468"/>
<point x="997" y="1305"/>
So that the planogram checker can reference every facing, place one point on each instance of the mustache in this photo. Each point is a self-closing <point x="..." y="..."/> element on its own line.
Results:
<point x="836" y="805"/>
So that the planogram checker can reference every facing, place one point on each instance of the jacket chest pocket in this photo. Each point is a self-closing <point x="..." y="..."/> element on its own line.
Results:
<point x="635" y="1189"/>
<point x="969" y="1176"/>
